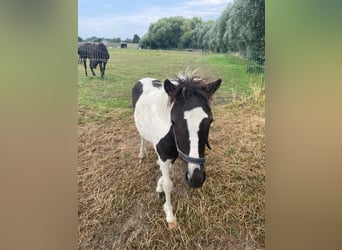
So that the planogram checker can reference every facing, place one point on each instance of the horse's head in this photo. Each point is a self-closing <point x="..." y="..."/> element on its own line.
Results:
<point x="191" y="118"/>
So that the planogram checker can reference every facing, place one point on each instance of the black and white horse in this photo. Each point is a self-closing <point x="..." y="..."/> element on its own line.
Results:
<point x="175" y="117"/>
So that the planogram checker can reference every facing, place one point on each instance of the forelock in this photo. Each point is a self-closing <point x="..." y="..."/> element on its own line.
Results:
<point x="189" y="84"/>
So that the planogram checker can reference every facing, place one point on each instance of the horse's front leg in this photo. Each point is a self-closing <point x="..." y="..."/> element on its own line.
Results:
<point x="165" y="184"/>
<point x="104" y="67"/>
<point x="101" y="70"/>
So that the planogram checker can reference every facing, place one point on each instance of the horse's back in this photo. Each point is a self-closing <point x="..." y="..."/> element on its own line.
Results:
<point x="102" y="51"/>
<point x="146" y="87"/>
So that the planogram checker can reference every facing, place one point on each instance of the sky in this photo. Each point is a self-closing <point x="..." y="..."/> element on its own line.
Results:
<point x="123" y="18"/>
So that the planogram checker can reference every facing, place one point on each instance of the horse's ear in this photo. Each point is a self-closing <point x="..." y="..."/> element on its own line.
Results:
<point x="212" y="87"/>
<point x="169" y="87"/>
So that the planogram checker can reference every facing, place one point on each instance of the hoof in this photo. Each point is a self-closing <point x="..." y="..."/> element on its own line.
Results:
<point x="172" y="225"/>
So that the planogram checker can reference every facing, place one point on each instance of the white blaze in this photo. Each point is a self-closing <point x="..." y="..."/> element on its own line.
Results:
<point x="193" y="119"/>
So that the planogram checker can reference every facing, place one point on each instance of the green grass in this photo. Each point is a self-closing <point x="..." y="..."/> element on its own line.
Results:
<point x="126" y="66"/>
<point x="232" y="70"/>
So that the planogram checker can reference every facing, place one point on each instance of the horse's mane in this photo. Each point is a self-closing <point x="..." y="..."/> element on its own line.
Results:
<point x="189" y="84"/>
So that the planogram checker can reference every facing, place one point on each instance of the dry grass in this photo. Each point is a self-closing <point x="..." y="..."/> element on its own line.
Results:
<point x="118" y="206"/>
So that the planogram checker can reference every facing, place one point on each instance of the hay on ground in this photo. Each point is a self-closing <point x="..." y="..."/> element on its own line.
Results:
<point x="118" y="208"/>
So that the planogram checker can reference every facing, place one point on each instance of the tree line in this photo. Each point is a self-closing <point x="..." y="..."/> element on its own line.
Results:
<point x="240" y="29"/>
<point x="136" y="39"/>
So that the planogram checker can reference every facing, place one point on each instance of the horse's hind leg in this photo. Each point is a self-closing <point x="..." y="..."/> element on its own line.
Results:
<point x="92" y="65"/>
<point x="142" y="149"/>
<point x="92" y="71"/>
<point x="85" y="66"/>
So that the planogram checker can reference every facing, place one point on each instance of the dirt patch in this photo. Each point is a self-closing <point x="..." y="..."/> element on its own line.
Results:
<point x="118" y="208"/>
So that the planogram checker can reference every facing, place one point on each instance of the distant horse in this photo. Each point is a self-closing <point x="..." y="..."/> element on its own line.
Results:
<point x="175" y="117"/>
<point x="97" y="54"/>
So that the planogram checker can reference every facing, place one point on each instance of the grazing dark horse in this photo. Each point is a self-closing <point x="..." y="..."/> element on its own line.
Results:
<point x="97" y="54"/>
<point x="175" y="117"/>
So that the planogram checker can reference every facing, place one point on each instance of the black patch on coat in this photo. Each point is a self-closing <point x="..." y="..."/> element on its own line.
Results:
<point x="137" y="90"/>
<point x="166" y="147"/>
<point x="157" y="84"/>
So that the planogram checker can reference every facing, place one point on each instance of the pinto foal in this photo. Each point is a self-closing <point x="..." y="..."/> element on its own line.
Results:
<point x="175" y="117"/>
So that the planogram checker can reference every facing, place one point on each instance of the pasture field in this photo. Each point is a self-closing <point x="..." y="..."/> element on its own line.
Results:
<point x="118" y="205"/>
<point x="127" y="66"/>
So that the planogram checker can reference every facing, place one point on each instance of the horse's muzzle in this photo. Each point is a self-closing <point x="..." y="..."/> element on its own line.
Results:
<point x="197" y="179"/>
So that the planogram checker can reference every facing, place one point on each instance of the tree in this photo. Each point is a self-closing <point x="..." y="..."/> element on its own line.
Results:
<point x="128" y="40"/>
<point x="136" y="39"/>
<point x="94" y="39"/>
<point x="188" y="28"/>
<point x="116" y="40"/>
<point x="170" y="33"/>
<point x="200" y="35"/>
<point x="80" y="39"/>
<point x="245" y="28"/>
<point x="240" y="28"/>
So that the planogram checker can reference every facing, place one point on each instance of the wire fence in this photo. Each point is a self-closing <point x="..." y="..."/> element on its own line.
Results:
<point x="256" y="60"/>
